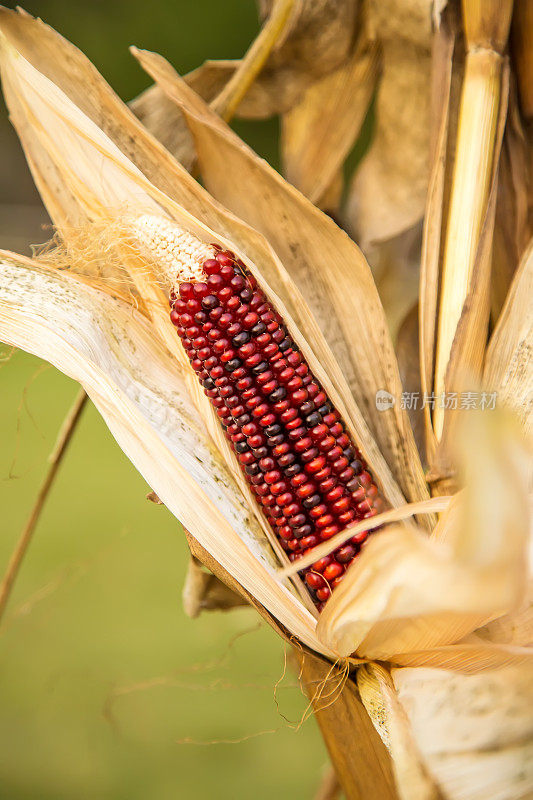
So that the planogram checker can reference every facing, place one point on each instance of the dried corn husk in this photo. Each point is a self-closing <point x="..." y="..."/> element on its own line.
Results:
<point x="203" y="591"/>
<point x="390" y="720"/>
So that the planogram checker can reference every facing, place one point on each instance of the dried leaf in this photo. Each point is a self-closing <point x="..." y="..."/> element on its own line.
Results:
<point x="319" y="132"/>
<point x="407" y="353"/>
<point x="511" y="230"/>
<point x="203" y="591"/>
<point x="389" y="187"/>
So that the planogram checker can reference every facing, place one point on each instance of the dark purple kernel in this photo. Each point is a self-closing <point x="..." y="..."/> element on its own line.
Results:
<point x="311" y="502"/>
<point x="240" y="338"/>
<point x="210" y="302"/>
<point x="259" y="368"/>
<point x="294" y="469"/>
<point x="273" y="430"/>
<point x="252" y="469"/>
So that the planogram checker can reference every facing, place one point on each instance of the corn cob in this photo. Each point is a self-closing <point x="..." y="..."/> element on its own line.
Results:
<point x="306" y="473"/>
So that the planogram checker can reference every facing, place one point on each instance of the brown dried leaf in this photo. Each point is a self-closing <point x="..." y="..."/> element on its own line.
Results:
<point x="203" y="591"/>
<point x="320" y="36"/>
<point x="389" y="188"/>
<point x="511" y="230"/>
<point x="319" y="132"/>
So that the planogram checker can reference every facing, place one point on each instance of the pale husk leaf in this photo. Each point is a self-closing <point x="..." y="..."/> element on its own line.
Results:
<point x="475" y="732"/>
<point x="324" y="264"/>
<point x="140" y="391"/>
<point x="462" y="582"/>
<point x="509" y="362"/>
<point x="390" y="720"/>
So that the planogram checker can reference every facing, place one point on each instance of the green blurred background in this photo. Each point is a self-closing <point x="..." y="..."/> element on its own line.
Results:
<point x="107" y="690"/>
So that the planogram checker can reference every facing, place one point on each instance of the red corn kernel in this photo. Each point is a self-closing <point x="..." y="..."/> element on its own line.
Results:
<point x="346" y="517"/>
<point x="289" y="415"/>
<point x="315" y="465"/>
<point x="327" y="533"/>
<point x="314" y="581"/>
<point x="365" y="479"/>
<point x="309" y="541"/>
<point x="321" y="564"/>
<point x="292" y="510"/>
<point x="341" y="505"/>
<point x="333" y="571"/>
<point x="358" y="495"/>
<point x="345" y="554"/>
<point x="339" y="465"/>
<point x="318" y="511"/>
<point x="267" y="420"/>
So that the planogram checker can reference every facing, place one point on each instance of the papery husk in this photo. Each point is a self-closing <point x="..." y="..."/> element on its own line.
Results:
<point x="475" y="732"/>
<point x="64" y="144"/>
<point x="281" y="21"/>
<point x="324" y="264"/>
<point x="140" y="391"/>
<point x="462" y="581"/>
<point x="318" y="133"/>
<point x="390" y="720"/>
<point x="388" y="192"/>
<point x="509" y="365"/>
